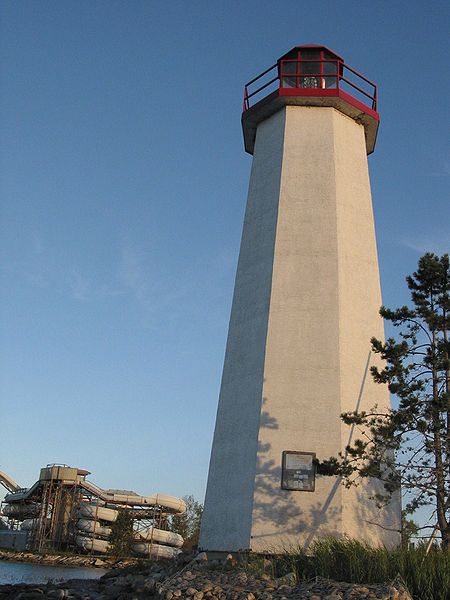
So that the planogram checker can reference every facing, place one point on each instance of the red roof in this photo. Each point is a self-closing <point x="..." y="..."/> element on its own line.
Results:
<point x="318" y="46"/>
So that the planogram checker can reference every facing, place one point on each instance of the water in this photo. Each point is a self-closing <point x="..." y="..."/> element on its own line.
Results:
<point x="18" y="572"/>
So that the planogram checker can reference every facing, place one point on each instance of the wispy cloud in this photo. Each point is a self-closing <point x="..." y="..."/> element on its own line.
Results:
<point x="429" y="242"/>
<point x="31" y="266"/>
<point x="135" y="272"/>
<point x="443" y="170"/>
<point x="80" y="287"/>
<point x="150" y="288"/>
<point x="42" y="267"/>
<point x="177" y="294"/>
<point x="83" y="288"/>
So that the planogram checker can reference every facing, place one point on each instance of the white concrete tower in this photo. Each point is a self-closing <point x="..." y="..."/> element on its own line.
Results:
<point x="305" y="306"/>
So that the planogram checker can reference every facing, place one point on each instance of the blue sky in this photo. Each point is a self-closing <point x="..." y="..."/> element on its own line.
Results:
<point x="123" y="183"/>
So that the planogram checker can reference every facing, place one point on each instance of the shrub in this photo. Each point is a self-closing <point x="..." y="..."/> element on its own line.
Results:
<point x="427" y="576"/>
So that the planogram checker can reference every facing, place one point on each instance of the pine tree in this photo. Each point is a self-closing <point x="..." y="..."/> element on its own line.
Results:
<point x="188" y="524"/>
<point x="408" y="447"/>
<point x="121" y="536"/>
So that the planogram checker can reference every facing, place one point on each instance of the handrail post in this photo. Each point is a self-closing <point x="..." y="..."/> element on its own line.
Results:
<point x="245" y="99"/>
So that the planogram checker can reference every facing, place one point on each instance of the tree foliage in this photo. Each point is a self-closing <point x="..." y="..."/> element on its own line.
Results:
<point x="188" y="524"/>
<point x="408" y="447"/>
<point x="121" y="536"/>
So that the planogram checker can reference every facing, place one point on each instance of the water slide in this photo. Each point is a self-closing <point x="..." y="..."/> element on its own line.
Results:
<point x="169" y="504"/>
<point x="8" y="482"/>
<point x="21" y="511"/>
<point x="22" y="493"/>
<point x="152" y="534"/>
<point x="95" y="516"/>
<point x="93" y="527"/>
<point x="154" y="551"/>
<point x="149" y="534"/>
<point x="151" y="542"/>
<point x="92" y="544"/>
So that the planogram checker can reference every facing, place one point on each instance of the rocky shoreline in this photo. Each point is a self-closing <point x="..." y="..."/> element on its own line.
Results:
<point x="63" y="560"/>
<point x="199" y="580"/>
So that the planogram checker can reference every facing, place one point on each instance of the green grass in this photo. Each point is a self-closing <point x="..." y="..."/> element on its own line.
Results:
<point x="427" y="576"/>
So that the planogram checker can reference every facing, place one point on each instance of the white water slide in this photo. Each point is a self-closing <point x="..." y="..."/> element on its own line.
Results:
<point x="169" y="504"/>
<point x="8" y="482"/>
<point x="88" y="524"/>
<point x="154" y="551"/>
<point x="95" y="516"/>
<point x="151" y="542"/>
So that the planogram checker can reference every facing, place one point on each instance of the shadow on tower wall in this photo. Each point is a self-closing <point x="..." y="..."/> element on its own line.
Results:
<point x="292" y="519"/>
<point x="277" y="513"/>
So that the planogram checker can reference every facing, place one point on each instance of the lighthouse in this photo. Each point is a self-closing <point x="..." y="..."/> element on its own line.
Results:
<point x="305" y="305"/>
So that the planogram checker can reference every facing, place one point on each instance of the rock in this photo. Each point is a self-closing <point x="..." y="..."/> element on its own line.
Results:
<point x="230" y="561"/>
<point x="202" y="556"/>
<point x="191" y="591"/>
<point x="98" y="562"/>
<point x="290" y="580"/>
<point x="403" y="594"/>
<point x="149" y="584"/>
<point x="57" y="594"/>
<point x="142" y="580"/>
<point x="361" y="590"/>
<point x="214" y="563"/>
<point x="111" y="574"/>
<point x="267" y="565"/>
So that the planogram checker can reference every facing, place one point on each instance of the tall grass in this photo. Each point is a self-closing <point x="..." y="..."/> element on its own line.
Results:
<point x="427" y="576"/>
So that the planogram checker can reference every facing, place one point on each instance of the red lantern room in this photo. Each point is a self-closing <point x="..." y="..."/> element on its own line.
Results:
<point x="310" y="75"/>
<point x="310" y="67"/>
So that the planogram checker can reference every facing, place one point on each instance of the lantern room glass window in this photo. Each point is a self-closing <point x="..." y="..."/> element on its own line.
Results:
<point x="290" y="78"/>
<point x="309" y="66"/>
<point x="330" y="68"/>
<point x="310" y="69"/>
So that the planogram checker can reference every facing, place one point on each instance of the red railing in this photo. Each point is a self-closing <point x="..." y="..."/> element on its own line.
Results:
<point x="311" y="74"/>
